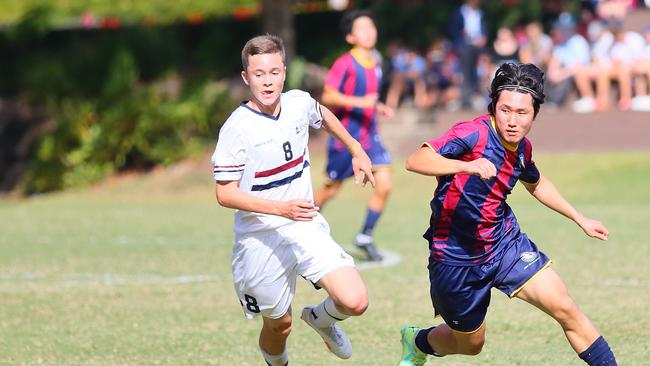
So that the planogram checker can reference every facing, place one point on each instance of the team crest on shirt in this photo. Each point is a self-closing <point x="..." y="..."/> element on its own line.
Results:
<point x="300" y="128"/>
<point x="528" y="257"/>
<point x="521" y="161"/>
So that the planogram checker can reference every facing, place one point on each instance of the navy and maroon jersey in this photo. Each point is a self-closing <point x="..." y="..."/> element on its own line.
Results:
<point x="470" y="219"/>
<point x="353" y="77"/>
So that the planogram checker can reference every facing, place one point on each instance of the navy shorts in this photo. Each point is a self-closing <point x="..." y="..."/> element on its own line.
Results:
<point x="339" y="163"/>
<point x="461" y="294"/>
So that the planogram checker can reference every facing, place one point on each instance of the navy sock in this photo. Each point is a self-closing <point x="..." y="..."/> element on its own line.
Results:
<point x="372" y="217"/>
<point x="422" y="343"/>
<point x="599" y="354"/>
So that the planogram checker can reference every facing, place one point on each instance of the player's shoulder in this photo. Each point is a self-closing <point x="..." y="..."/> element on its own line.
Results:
<point x="296" y="96"/>
<point x="527" y="145"/>
<point x="478" y="124"/>
<point x="344" y="60"/>
<point x="235" y="123"/>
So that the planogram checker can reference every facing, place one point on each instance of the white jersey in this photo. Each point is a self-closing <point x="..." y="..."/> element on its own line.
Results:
<point x="268" y="156"/>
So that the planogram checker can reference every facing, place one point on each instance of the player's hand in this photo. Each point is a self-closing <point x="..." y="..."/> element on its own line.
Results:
<point x="593" y="228"/>
<point x="298" y="210"/>
<point x="368" y="100"/>
<point x="362" y="168"/>
<point x="481" y="167"/>
<point x="385" y="110"/>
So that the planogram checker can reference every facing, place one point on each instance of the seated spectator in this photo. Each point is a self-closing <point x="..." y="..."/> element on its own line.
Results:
<point x="612" y="56"/>
<point x="442" y="76"/>
<point x="407" y="74"/>
<point x="566" y="66"/>
<point x="600" y="70"/>
<point x="614" y="10"/>
<point x="641" y="73"/>
<point x="625" y="52"/>
<point x="537" y="47"/>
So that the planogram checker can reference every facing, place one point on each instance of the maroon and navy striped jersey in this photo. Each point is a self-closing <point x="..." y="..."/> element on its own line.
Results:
<point x="350" y="76"/>
<point x="469" y="216"/>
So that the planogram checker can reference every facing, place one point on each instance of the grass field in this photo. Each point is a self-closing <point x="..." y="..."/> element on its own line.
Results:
<point x="136" y="271"/>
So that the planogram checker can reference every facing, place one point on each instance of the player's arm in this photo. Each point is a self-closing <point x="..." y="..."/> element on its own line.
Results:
<point x="334" y="98"/>
<point x="361" y="164"/>
<point x="546" y="192"/>
<point x="427" y="161"/>
<point x="229" y="195"/>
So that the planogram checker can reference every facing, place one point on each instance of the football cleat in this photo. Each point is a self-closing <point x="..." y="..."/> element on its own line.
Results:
<point x="366" y="243"/>
<point x="333" y="336"/>
<point x="411" y="355"/>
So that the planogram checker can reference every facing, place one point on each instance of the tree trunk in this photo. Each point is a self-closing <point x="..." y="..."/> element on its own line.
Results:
<point x="277" y="19"/>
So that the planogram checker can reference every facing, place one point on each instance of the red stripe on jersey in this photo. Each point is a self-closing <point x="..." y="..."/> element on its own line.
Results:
<point x="281" y="168"/>
<point x="228" y="166"/>
<point x="494" y="199"/>
<point x="454" y="194"/>
<point x="449" y="207"/>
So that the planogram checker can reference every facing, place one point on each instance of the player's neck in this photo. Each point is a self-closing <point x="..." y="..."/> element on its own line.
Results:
<point x="363" y="55"/>
<point x="271" y="110"/>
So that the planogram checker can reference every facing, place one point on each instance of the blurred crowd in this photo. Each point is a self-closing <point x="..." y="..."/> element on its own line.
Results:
<point x="592" y="63"/>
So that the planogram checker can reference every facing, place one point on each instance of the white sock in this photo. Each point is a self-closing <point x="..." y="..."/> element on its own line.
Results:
<point x="276" y="360"/>
<point x="326" y="313"/>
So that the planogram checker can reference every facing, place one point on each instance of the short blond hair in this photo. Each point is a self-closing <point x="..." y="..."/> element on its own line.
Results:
<point x="262" y="45"/>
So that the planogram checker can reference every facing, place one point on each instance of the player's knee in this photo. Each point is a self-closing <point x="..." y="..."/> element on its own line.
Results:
<point x="281" y="328"/>
<point x="354" y="305"/>
<point x="332" y="188"/>
<point x="384" y="190"/>
<point x="565" y="309"/>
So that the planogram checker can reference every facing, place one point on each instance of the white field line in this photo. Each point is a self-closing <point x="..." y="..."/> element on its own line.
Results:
<point x="390" y="259"/>
<point x="627" y="283"/>
<point x="106" y="279"/>
<point x="110" y="279"/>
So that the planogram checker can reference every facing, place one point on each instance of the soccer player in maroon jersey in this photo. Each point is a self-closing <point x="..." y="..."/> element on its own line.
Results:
<point x="352" y="91"/>
<point x="475" y="242"/>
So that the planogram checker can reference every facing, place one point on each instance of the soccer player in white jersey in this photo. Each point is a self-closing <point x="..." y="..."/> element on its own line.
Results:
<point x="261" y="166"/>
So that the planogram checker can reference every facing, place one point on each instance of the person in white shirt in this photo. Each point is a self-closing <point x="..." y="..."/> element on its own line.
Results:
<point x="262" y="169"/>
<point x="641" y="73"/>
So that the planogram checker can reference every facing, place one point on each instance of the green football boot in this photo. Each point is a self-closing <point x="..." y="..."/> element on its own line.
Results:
<point x="411" y="355"/>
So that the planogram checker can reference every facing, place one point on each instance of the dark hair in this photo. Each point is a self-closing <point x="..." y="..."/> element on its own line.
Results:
<point x="523" y="78"/>
<point x="262" y="45"/>
<point x="347" y="21"/>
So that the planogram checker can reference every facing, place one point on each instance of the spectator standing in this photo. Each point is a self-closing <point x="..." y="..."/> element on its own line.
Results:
<point x="467" y="29"/>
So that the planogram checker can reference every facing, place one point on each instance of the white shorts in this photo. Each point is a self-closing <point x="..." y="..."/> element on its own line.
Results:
<point x="265" y="264"/>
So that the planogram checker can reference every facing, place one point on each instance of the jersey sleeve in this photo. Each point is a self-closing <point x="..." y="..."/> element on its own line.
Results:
<point x="337" y="73"/>
<point x="314" y="114"/>
<point x="229" y="158"/>
<point x="310" y="107"/>
<point x="456" y="142"/>
<point x="530" y="173"/>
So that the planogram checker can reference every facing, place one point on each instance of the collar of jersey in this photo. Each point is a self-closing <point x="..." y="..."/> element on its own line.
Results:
<point x="506" y="144"/>
<point x="367" y="63"/>
<point x="243" y="104"/>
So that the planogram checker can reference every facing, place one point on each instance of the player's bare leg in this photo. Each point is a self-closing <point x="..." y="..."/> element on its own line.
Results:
<point x="347" y="297"/>
<point x="383" y="186"/>
<point x="273" y="339"/>
<point x="346" y="288"/>
<point x="438" y="341"/>
<point x="446" y="341"/>
<point x="547" y="292"/>
<point x="328" y="191"/>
